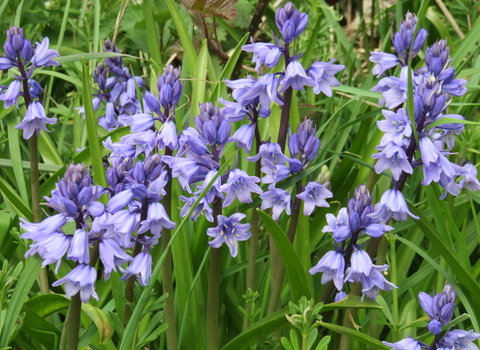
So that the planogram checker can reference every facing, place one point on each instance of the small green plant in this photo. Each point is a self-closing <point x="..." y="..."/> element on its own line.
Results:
<point x="305" y="317"/>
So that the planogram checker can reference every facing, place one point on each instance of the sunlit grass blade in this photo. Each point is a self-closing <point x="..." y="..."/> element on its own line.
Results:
<point x="199" y="83"/>
<point x="95" y="153"/>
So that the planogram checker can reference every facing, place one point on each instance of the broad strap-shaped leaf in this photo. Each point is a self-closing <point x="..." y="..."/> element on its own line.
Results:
<point x="296" y="274"/>
<point x="356" y="335"/>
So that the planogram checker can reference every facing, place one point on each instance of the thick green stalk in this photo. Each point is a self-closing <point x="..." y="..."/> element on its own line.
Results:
<point x="167" y="278"/>
<point x="253" y="244"/>
<point x="213" y="289"/>
<point x="71" y="327"/>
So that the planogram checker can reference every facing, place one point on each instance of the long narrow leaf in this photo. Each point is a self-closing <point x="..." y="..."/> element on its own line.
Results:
<point x="296" y="274"/>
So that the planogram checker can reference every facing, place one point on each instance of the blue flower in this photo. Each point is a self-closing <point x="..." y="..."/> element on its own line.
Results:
<point x="296" y="77"/>
<point x="383" y="61"/>
<point x="277" y="199"/>
<point x="229" y="231"/>
<point x="392" y="203"/>
<point x="263" y="53"/>
<point x="141" y="267"/>
<point x="460" y="340"/>
<point x="392" y="157"/>
<point x="157" y="219"/>
<point x="44" y="57"/>
<point x="10" y="97"/>
<point x="290" y="22"/>
<point x="333" y="267"/>
<point x="405" y="344"/>
<point x="35" y="120"/>
<point x="240" y="185"/>
<point x="440" y="308"/>
<point x="244" y="136"/>
<point x="314" y="195"/>
<point x="80" y="279"/>
<point x="111" y="255"/>
<point x="322" y="74"/>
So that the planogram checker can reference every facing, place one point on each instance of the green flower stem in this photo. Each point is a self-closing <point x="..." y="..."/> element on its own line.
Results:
<point x="167" y="279"/>
<point x="253" y="244"/>
<point x="213" y="288"/>
<point x="277" y="270"/>
<point x="71" y="327"/>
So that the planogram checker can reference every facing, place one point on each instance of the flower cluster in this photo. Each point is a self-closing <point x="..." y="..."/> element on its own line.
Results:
<point x="20" y="53"/>
<point x="433" y="87"/>
<point x="440" y="309"/>
<point x="348" y="262"/>
<point x="116" y="90"/>
<point x="83" y="223"/>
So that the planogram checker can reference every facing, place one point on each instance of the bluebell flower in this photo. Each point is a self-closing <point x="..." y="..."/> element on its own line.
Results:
<point x="168" y="136"/>
<point x="405" y="344"/>
<point x="157" y="219"/>
<point x="244" y="136"/>
<point x="35" y="120"/>
<point x="276" y="198"/>
<point x="392" y="157"/>
<point x="322" y="74"/>
<point x="394" y="204"/>
<point x="290" y="22"/>
<point x="79" y="248"/>
<point x="140" y="267"/>
<point x="314" y="195"/>
<point x="10" y="97"/>
<point x="332" y="265"/>
<point x="437" y="57"/>
<point x="80" y="279"/>
<point x="274" y="172"/>
<point x="270" y="151"/>
<point x="383" y="61"/>
<point x="295" y="77"/>
<point x="112" y="256"/>
<point x="43" y="56"/>
<point x="460" y="340"/>
<point x="396" y="126"/>
<point x="229" y="231"/>
<point x="470" y="180"/>
<point x="240" y="185"/>
<point x="263" y="53"/>
<point x="338" y="225"/>
<point x="440" y="308"/>
<point x="340" y="296"/>
<point x="203" y="207"/>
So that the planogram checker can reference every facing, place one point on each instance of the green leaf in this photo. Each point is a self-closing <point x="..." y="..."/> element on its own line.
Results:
<point x="357" y="91"/>
<point x="15" y="200"/>
<point x="353" y="334"/>
<point x="47" y="304"/>
<point x="227" y="70"/>
<point x="296" y="274"/>
<point x="74" y="81"/>
<point x="198" y="94"/>
<point x="467" y="45"/>
<point x="90" y="56"/>
<point x="190" y="57"/>
<point x="47" y="150"/>
<point x="24" y="283"/>
<point x="152" y="35"/>
<point x="101" y="320"/>
<point x="95" y="153"/>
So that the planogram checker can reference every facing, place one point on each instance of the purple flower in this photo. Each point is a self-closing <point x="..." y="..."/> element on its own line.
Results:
<point x="277" y="199"/>
<point x="296" y="77"/>
<point x="333" y="266"/>
<point x="229" y="231"/>
<point x="290" y="22"/>
<point x="111" y="255"/>
<point x="244" y="136"/>
<point x="405" y="344"/>
<point x="322" y="74"/>
<point x="240" y="185"/>
<point x="314" y="195"/>
<point x="274" y="173"/>
<point x="35" y="120"/>
<point x="141" y="267"/>
<point x="79" y="248"/>
<point x="470" y="180"/>
<point x="460" y="340"/>
<point x="44" y="56"/>
<point x="383" y="61"/>
<point x="392" y="157"/>
<point x="168" y="136"/>
<point x="338" y="225"/>
<point x="10" y="97"/>
<point x="396" y="126"/>
<point x="392" y="203"/>
<point x="263" y="53"/>
<point x="80" y="279"/>
<point x="270" y="151"/>
<point x="156" y="220"/>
